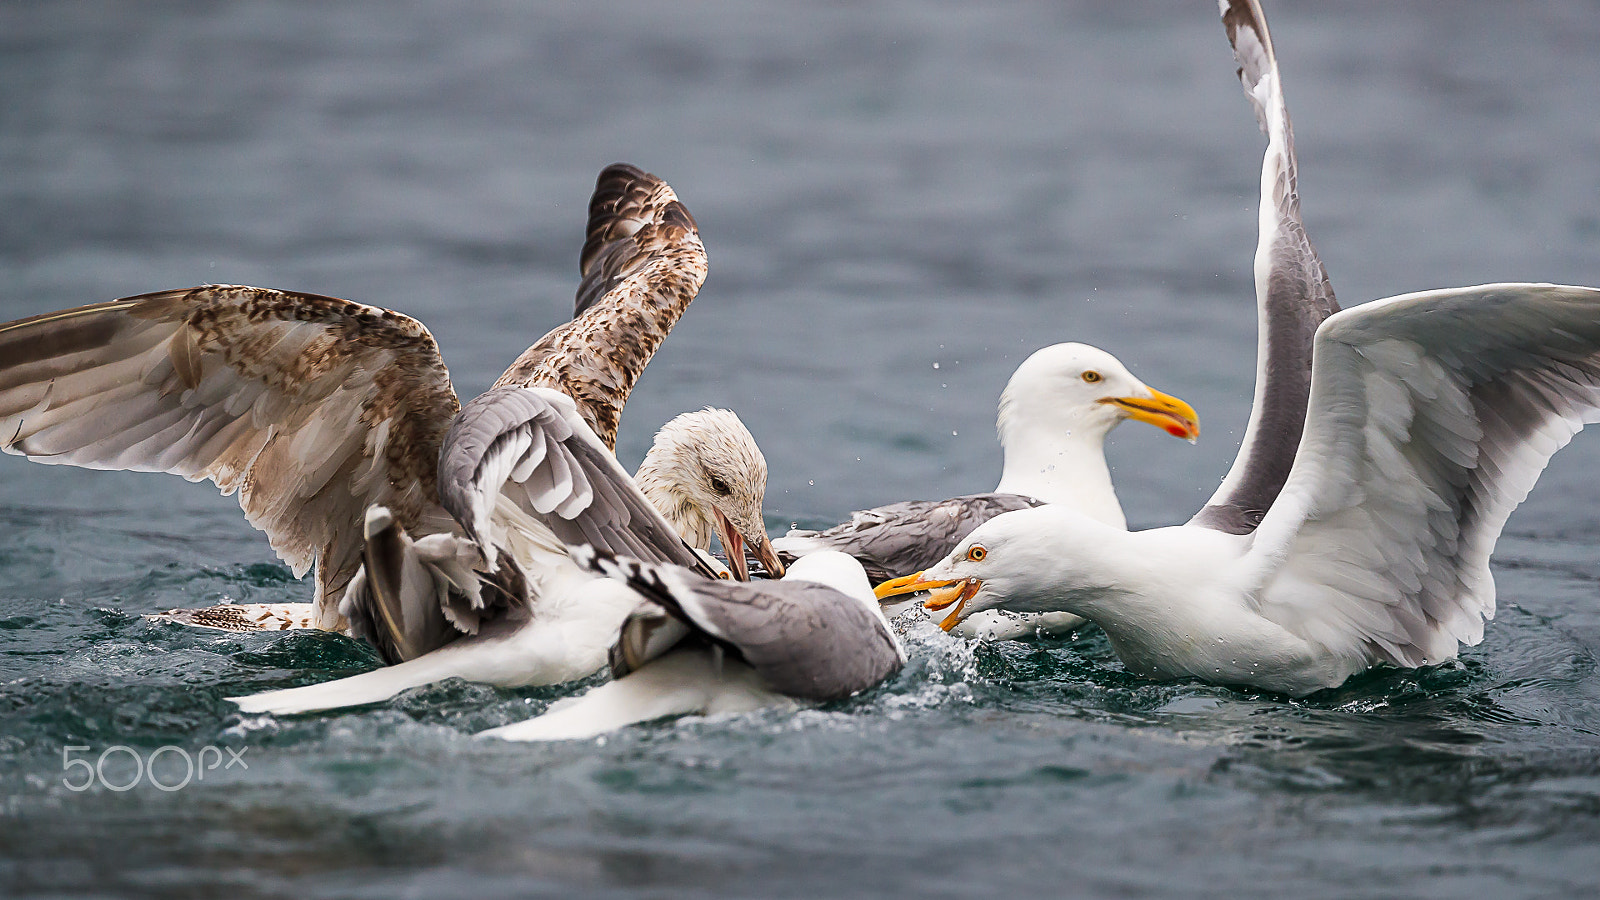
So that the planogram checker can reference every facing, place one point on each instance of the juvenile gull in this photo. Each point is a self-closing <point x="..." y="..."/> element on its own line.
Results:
<point x="1431" y="416"/>
<point x="698" y="646"/>
<point x="329" y="419"/>
<point x="701" y="463"/>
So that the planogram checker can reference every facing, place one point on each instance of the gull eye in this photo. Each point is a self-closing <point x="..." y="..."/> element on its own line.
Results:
<point x="720" y="486"/>
<point x="976" y="553"/>
<point x="725" y="576"/>
<point x="1093" y="377"/>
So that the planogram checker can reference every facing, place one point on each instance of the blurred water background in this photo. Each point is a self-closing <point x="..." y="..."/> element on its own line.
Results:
<point x="900" y="201"/>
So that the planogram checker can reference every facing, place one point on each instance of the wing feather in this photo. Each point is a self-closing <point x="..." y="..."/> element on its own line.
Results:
<point x="804" y="639"/>
<point x="538" y="434"/>
<point x="642" y="264"/>
<point x="268" y="393"/>
<point x="901" y="538"/>
<point x="1293" y="294"/>
<point x="1431" y="417"/>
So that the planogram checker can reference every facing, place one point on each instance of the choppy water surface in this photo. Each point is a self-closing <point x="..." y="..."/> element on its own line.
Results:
<point x="900" y="201"/>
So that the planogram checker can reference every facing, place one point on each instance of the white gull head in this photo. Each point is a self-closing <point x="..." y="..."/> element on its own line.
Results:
<point x="1055" y="414"/>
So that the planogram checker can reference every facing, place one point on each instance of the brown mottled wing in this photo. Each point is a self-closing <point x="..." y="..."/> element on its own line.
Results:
<point x="1293" y="295"/>
<point x="642" y="264"/>
<point x="901" y="538"/>
<point x="310" y="407"/>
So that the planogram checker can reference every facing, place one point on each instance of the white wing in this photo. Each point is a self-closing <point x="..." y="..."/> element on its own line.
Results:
<point x="1293" y="295"/>
<point x="1431" y="416"/>
<point x="311" y="408"/>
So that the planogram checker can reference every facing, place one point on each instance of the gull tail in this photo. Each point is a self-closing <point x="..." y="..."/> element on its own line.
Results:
<point x="411" y="597"/>
<point x="687" y="681"/>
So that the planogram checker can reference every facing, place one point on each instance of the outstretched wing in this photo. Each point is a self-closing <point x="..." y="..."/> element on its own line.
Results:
<point x="642" y="264"/>
<point x="310" y="407"/>
<point x="901" y="538"/>
<point x="1431" y="416"/>
<point x="530" y="446"/>
<point x="1293" y="295"/>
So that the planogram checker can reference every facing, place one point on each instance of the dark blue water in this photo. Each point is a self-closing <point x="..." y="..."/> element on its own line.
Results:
<point x="900" y="201"/>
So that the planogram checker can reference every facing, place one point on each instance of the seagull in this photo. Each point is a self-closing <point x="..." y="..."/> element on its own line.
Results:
<point x="336" y="424"/>
<point x="1431" y="416"/>
<point x="709" y="647"/>
<point x="1293" y="297"/>
<point x="701" y="463"/>
<point x="704" y="473"/>
<point x="1054" y="416"/>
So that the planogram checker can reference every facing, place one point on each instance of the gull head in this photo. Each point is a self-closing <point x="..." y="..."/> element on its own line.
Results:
<point x="706" y="475"/>
<point x="1075" y="388"/>
<point x="1031" y="560"/>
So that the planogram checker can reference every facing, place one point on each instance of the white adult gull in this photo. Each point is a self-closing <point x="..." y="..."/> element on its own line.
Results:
<point x="708" y="647"/>
<point x="1054" y="416"/>
<point x="1431" y="416"/>
<point x="337" y="425"/>
<point x="1293" y="296"/>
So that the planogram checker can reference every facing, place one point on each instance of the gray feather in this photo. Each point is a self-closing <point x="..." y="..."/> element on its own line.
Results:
<point x="901" y="538"/>
<point x="1294" y="299"/>
<point x="577" y="488"/>
<point x="805" y="640"/>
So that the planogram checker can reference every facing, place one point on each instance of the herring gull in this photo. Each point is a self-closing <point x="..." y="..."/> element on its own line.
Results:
<point x="708" y="647"/>
<point x="1431" y="416"/>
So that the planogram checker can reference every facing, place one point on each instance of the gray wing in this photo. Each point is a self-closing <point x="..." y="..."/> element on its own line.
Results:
<point x="531" y="446"/>
<point x="642" y="264"/>
<point x="901" y="538"/>
<point x="311" y="408"/>
<point x="1293" y="295"/>
<point x="806" y="640"/>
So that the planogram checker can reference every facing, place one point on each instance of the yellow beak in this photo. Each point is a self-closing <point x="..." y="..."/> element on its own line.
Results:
<point x="908" y="584"/>
<point x="942" y="593"/>
<point x="1164" y="411"/>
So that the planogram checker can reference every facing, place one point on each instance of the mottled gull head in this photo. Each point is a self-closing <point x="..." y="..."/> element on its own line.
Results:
<point x="707" y="476"/>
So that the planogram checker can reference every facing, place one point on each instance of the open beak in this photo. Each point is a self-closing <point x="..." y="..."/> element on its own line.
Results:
<point x="734" y="545"/>
<point x="942" y="593"/>
<point x="1164" y="411"/>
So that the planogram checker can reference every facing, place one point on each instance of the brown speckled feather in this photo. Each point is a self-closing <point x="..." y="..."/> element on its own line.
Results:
<point x="642" y="264"/>
<point x="310" y="407"/>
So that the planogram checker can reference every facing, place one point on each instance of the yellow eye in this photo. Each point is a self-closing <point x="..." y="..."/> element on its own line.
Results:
<point x="1092" y="376"/>
<point x="976" y="553"/>
<point x="725" y="576"/>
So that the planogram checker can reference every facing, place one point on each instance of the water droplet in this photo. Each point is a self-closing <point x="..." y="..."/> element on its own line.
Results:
<point x="812" y="482"/>
<point x="953" y="433"/>
<point x="936" y="365"/>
